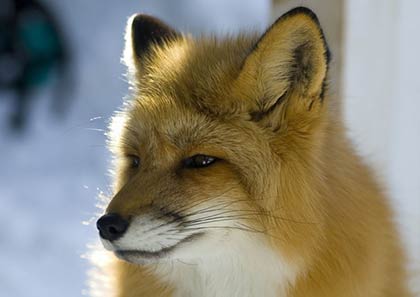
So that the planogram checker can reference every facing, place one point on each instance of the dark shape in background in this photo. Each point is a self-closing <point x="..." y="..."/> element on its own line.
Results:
<point x="32" y="51"/>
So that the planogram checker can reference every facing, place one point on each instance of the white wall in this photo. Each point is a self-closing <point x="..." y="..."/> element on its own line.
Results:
<point x="382" y="102"/>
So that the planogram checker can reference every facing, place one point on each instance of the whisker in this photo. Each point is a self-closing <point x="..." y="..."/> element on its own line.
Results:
<point x="95" y="129"/>
<point x="212" y="208"/>
<point x="221" y="215"/>
<point x="203" y="201"/>
<point x="256" y="213"/>
<point x="180" y="216"/>
<point x="190" y="264"/>
<point x="242" y="227"/>
<point x="223" y="227"/>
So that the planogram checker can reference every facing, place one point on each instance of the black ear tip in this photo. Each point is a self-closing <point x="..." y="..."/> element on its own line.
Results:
<point x="312" y="15"/>
<point x="140" y="20"/>
<point x="302" y="10"/>
<point x="141" y="16"/>
<point x="146" y="29"/>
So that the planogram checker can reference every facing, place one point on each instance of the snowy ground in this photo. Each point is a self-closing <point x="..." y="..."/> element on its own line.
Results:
<point x="50" y="178"/>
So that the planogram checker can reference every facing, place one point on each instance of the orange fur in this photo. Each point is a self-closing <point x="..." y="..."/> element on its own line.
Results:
<point x="259" y="105"/>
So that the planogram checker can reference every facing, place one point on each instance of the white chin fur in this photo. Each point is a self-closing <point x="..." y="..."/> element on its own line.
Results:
<point x="107" y="245"/>
<point x="229" y="266"/>
<point x="221" y="262"/>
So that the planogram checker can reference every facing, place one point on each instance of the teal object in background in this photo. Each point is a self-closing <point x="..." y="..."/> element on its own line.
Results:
<point x="41" y="46"/>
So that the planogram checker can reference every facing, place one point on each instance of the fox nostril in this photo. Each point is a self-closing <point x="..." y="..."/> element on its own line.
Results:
<point x="112" y="230"/>
<point x="111" y="226"/>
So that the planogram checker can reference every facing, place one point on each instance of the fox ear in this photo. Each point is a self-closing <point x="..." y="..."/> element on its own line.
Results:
<point x="142" y="33"/>
<point x="288" y="63"/>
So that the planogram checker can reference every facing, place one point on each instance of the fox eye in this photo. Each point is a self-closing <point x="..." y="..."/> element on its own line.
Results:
<point x="199" y="161"/>
<point x="134" y="161"/>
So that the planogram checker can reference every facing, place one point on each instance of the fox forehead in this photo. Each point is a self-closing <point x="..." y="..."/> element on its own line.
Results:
<point x="156" y="123"/>
<point x="184" y="96"/>
<point x="198" y="73"/>
<point x="162" y="127"/>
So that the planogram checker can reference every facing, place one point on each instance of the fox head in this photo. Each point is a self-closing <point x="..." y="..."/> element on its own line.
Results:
<point x="220" y="141"/>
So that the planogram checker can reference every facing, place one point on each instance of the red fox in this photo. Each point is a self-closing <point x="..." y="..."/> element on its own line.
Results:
<point x="234" y="175"/>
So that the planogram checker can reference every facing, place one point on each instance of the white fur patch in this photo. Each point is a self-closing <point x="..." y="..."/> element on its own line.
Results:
<point x="146" y="233"/>
<point x="224" y="261"/>
<point x="243" y="267"/>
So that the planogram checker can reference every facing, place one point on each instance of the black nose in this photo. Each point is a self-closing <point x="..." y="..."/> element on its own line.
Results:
<point x="111" y="226"/>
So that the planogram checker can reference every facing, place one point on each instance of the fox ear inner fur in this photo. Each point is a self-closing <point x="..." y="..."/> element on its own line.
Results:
<point x="289" y="60"/>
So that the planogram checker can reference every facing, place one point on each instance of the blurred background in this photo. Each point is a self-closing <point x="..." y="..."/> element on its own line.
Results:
<point x="61" y="79"/>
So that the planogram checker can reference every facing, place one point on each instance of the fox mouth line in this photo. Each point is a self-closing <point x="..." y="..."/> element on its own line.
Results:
<point x="127" y="254"/>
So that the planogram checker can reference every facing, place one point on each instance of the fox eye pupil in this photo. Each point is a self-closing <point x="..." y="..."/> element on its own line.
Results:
<point x="135" y="161"/>
<point x="199" y="161"/>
